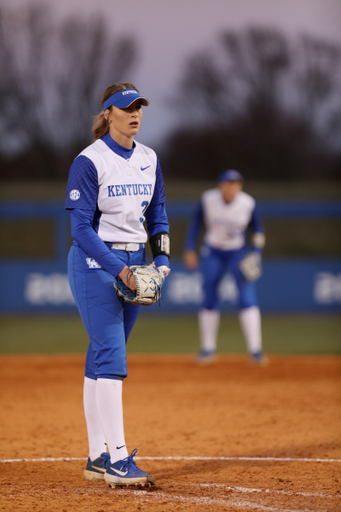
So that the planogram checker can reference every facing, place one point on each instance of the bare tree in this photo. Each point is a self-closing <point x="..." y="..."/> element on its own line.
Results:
<point x="266" y="105"/>
<point x="53" y="76"/>
<point x="244" y="68"/>
<point x="317" y="80"/>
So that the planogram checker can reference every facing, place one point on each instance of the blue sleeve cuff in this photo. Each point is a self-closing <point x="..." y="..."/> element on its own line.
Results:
<point x="258" y="250"/>
<point x="161" y="260"/>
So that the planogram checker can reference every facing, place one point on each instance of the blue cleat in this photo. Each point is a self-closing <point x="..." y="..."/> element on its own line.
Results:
<point x="95" y="470"/>
<point x="125" y="472"/>
<point x="259" y="358"/>
<point x="206" y="357"/>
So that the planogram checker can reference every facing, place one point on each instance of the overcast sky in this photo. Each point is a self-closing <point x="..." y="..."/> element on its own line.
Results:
<point x="169" y="31"/>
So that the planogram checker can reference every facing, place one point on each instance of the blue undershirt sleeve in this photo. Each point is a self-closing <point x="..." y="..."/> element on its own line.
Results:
<point x="159" y="195"/>
<point x="160" y="260"/>
<point x="83" y="233"/>
<point x="156" y="216"/>
<point x="82" y="187"/>
<point x="194" y="228"/>
<point x="256" y="226"/>
<point x="156" y="219"/>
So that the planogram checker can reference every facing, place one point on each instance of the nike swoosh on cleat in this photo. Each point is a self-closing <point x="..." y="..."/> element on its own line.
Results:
<point x="119" y="447"/>
<point x="121" y="473"/>
<point x="99" y="469"/>
<point x="144" y="168"/>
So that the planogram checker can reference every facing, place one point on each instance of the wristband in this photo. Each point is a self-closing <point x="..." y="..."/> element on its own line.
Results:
<point x="160" y="244"/>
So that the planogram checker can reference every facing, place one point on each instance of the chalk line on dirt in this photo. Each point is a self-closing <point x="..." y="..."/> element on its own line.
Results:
<point x="270" y="491"/>
<point x="279" y="459"/>
<point x="274" y="459"/>
<point x="205" y="500"/>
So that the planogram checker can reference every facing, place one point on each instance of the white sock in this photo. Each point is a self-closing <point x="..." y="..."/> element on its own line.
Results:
<point x="209" y="320"/>
<point x="97" y="443"/>
<point x="110" y="409"/>
<point x="250" y="321"/>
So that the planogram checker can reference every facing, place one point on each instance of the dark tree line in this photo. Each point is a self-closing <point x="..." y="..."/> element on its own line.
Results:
<point x="262" y="105"/>
<point x="255" y="101"/>
<point x="52" y="79"/>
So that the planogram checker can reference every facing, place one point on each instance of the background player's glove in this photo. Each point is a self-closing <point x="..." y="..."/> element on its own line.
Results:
<point x="251" y="266"/>
<point x="149" y="281"/>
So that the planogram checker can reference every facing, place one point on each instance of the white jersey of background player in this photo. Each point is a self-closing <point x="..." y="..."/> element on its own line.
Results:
<point x="226" y="223"/>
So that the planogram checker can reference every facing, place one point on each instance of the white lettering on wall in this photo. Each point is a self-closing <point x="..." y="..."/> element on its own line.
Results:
<point x="186" y="288"/>
<point x="327" y="288"/>
<point x="48" y="289"/>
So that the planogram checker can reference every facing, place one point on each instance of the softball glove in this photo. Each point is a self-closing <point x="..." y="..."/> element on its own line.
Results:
<point x="251" y="266"/>
<point x="149" y="281"/>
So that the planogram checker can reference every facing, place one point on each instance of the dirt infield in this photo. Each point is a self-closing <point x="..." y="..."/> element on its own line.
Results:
<point x="254" y="419"/>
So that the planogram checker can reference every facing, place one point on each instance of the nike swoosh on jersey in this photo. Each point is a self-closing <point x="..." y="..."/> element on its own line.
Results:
<point x="144" y="168"/>
<point x="121" y="473"/>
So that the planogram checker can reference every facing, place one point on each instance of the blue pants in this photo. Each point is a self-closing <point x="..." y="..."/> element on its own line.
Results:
<point x="108" y="320"/>
<point x="214" y="264"/>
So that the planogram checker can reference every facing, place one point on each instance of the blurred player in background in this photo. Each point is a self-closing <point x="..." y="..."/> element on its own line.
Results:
<point x="227" y="212"/>
<point x="114" y="185"/>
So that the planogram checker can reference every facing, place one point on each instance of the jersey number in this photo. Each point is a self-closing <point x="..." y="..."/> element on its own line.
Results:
<point x="144" y="205"/>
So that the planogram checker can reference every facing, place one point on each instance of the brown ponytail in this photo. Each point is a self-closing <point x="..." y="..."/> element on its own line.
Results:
<point x="100" y="126"/>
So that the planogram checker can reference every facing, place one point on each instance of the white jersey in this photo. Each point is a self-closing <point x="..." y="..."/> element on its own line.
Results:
<point x="226" y="223"/>
<point x="118" y="187"/>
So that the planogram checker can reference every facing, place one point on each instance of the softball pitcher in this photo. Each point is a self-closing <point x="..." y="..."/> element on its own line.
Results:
<point x="227" y="212"/>
<point x="114" y="185"/>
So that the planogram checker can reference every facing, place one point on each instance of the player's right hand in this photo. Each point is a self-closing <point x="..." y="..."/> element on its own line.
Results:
<point x="128" y="278"/>
<point x="191" y="260"/>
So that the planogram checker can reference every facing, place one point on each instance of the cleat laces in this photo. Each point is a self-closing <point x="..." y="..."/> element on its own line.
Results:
<point x="129" y="463"/>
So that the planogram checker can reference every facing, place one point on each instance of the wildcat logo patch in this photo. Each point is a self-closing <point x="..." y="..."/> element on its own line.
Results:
<point x="92" y="263"/>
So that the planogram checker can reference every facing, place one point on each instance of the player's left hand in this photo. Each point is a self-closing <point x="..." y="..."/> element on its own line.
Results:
<point x="164" y="269"/>
<point x="251" y="266"/>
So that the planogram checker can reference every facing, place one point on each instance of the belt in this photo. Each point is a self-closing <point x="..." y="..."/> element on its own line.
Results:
<point x="131" y="247"/>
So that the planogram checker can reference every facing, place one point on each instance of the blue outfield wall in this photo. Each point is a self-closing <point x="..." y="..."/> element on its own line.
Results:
<point x="285" y="286"/>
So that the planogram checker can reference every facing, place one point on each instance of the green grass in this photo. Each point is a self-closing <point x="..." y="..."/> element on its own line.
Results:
<point x="283" y="334"/>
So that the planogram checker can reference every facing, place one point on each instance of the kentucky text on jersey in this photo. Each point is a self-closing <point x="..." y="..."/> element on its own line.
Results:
<point x="129" y="189"/>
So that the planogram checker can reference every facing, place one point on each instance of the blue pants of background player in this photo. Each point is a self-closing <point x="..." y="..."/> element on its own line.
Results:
<point x="214" y="264"/>
<point x="107" y="319"/>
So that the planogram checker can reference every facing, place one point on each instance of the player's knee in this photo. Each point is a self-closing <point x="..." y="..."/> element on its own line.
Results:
<point x="247" y="302"/>
<point x="209" y="303"/>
